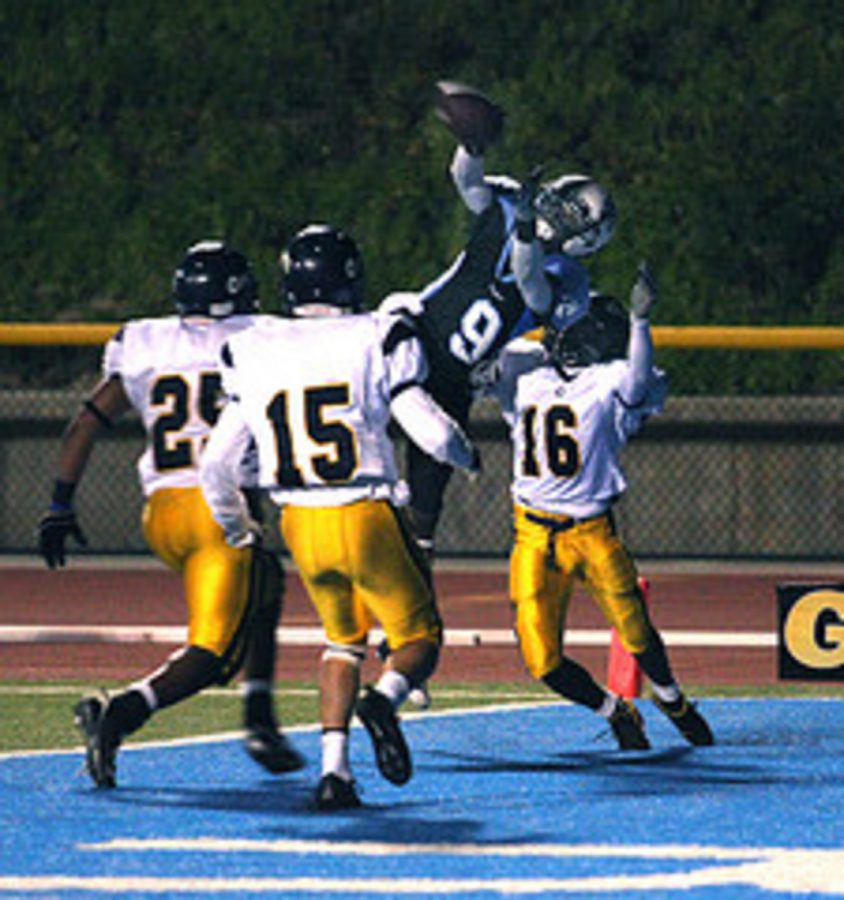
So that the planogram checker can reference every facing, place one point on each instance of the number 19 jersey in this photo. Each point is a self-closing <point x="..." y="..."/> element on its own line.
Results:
<point x="472" y="310"/>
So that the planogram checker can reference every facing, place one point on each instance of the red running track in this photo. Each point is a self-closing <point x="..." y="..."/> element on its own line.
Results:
<point x="704" y="597"/>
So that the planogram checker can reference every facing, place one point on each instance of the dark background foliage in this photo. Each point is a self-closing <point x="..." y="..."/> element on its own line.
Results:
<point x="131" y="128"/>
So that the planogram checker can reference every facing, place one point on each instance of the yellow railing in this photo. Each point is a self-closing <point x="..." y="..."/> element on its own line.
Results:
<point x="724" y="337"/>
<point x="31" y="334"/>
<point x="734" y="337"/>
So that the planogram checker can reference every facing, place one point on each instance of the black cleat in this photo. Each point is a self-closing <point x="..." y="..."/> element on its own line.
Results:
<point x="391" y="751"/>
<point x="687" y="720"/>
<point x="271" y="749"/>
<point x="101" y="739"/>
<point x="334" y="792"/>
<point x="628" y="727"/>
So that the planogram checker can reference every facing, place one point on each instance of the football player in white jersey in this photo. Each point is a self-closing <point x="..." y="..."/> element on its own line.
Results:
<point x="316" y="391"/>
<point x="168" y="370"/>
<point x="571" y="406"/>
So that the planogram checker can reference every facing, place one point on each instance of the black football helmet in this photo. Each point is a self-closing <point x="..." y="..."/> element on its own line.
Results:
<point x="600" y="336"/>
<point x="575" y="212"/>
<point x="215" y="282"/>
<point x="322" y="266"/>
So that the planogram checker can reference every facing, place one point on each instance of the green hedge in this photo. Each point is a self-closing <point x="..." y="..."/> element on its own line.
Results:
<point x="131" y="128"/>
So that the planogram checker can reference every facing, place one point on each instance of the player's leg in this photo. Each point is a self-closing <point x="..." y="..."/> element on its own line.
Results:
<point x="317" y="542"/>
<point x="265" y="741"/>
<point x="542" y="566"/>
<point x="428" y="480"/>
<point x="419" y="694"/>
<point x="339" y="683"/>
<point x="182" y="533"/>
<point x="612" y="577"/>
<point x="397" y="590"/>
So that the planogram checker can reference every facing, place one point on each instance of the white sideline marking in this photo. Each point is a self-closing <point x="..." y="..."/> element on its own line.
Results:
<point x="534" y="702"/>
<point x="311" y="637"/>
<point x="385" y="848"/>
<point x="773" y="869"/>
<point x="69" y="690"/>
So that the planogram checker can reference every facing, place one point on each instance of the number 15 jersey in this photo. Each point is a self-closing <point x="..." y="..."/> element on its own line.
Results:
<point x="315" y="394"/>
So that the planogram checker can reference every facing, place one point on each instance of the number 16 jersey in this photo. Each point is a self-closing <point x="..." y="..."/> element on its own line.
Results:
<point x="568" y="432"/>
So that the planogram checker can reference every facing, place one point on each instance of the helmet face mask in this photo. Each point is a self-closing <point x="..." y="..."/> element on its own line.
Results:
<point x="321" y="273"/>
<point x="575" y="212"/>
<point x="214" y="282"/>
<point x="600" y="336"/>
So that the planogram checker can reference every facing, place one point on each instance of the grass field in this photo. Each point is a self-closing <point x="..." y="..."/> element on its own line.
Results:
<point x="40" y="717"/>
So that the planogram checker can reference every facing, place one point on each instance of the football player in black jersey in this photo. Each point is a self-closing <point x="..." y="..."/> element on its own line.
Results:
<point x="518" y="271"/>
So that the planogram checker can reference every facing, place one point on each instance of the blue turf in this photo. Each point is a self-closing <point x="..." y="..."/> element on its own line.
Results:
<point x="543" y="776"/>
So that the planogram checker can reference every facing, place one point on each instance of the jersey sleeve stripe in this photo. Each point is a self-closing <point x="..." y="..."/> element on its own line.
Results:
<point x="398" y="333"/>
<point x="397" y="389"/>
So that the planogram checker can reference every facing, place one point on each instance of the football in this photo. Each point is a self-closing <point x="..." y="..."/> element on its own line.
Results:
<point x="473" y="118"/>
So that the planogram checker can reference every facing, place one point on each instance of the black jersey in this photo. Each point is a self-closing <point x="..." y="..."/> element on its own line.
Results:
<point x="469" y="312"/>
<point x="474" y="308"/>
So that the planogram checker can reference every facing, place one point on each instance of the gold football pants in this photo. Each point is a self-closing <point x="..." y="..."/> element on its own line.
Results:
<point x="550" y="553"/>
<point x="358" y="567"/>
<point x="181" y="531"/>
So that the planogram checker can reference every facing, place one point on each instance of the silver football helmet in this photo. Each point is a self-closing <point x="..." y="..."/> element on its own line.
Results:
<point x="576" y="212"/>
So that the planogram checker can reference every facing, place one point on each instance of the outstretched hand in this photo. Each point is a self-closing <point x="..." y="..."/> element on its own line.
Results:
<point x="644" y="293"/>
<point x="55" y="527"/>
<point x="525" y="198"/>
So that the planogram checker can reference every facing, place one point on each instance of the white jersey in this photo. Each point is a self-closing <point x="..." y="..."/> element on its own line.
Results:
<point x="315" y="394"/>
<point x="170" y="370"/>
<point x="567" y="433"/>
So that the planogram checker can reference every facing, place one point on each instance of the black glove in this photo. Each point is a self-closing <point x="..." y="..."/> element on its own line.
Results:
<point x="476" y="465"/>
<point x="55" y="526"/>
<point x="525" y="198"/>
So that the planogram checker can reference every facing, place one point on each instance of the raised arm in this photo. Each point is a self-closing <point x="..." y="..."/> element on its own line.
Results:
<point x="640" y="351"/>
<point x="467" y="173"/>
<point x="528" y="256"/>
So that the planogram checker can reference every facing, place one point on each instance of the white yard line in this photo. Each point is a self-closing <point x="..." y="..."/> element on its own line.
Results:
<point x="774" y="869"/>
<point x="313" y="637"/>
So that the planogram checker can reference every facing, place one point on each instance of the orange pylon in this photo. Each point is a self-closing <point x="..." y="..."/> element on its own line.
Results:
<point x="624" y="674"/>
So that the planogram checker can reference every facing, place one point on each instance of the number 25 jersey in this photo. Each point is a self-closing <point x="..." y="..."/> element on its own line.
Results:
<point x="170" y="370"/>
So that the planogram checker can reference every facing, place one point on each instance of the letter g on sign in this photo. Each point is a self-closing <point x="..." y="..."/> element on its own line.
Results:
<point x="811" y="632"/>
